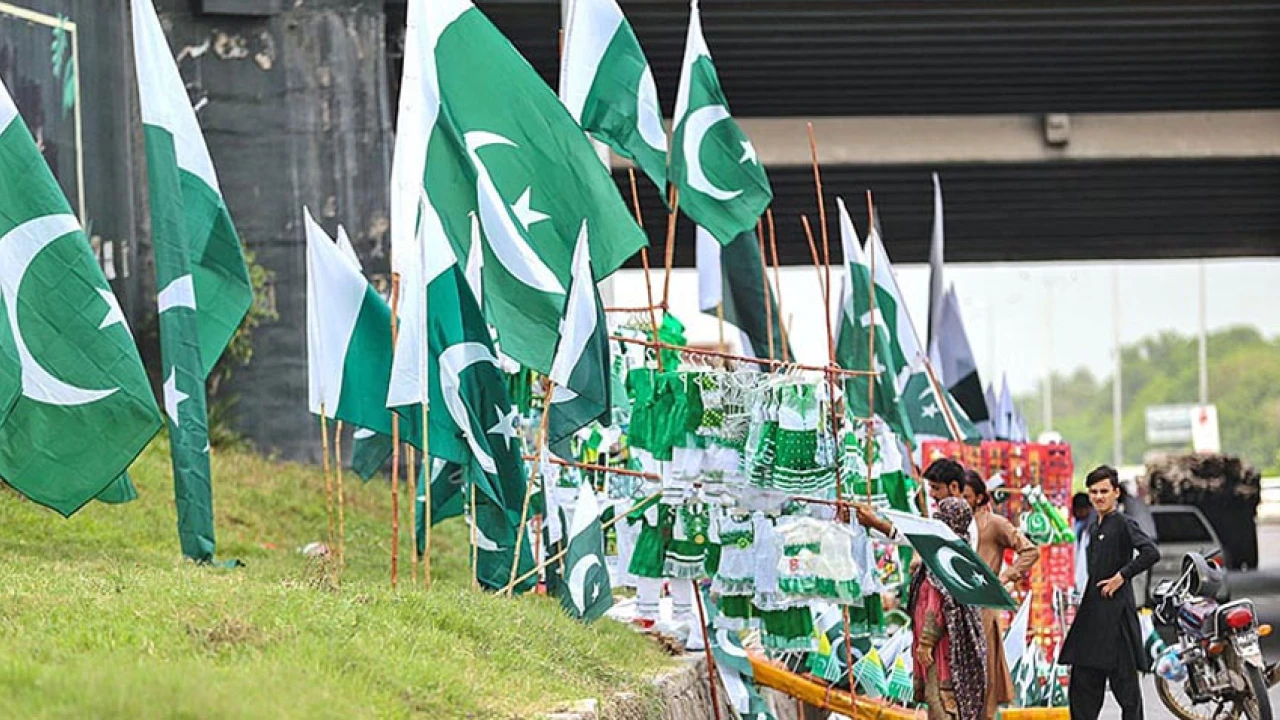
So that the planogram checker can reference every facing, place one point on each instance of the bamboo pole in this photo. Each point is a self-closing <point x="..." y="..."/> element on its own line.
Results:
<point x="475" y="542"/>
<point x="698" y="352"/>
<point x="328" y="481"/>
<point x="539" y="442"/>
<point x="342" y="518"/>
<point x="871" y="348"/>
<point x="426" y="485"/>
<point x="720" y="323"/>
<point x="777" y="282"/>
<point x="411" y="489"/>
<point x="822" y="221"/>
<point x="644" y="261"/>
<point x="671" y="248"/>
<point x="596" y="468"/>
<point x="768" y="292"/>
<point x="395" y="447"/>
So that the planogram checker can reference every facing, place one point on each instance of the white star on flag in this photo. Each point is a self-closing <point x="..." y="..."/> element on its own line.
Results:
<point x="748" y="153"/>
<point x="173" y="397"/>
<point x="929" y="410"/>
<point x="114" y="316"/>
<point x="506" y="425"/>
<point x="525" y="212"/>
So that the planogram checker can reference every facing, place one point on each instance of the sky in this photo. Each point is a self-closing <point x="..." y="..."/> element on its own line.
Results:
<point x="1024" y="318"/>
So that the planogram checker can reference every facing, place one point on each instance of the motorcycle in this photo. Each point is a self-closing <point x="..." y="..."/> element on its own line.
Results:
<point x="1216" y="669"/>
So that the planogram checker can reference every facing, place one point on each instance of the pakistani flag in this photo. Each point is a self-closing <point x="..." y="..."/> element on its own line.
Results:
<point x="857" y="318"/>
<point x="348" y="340"/>
<point x="734" y="666"/>
<point x="369" y="452"/>
<point x="1005" y="422"/>
<point x="503" y="152"/>
<point x="608" y="88"/>
<point x="953" y="360"/>
<point x="1015" y="638"/>
<point x="200" y="271"/>
<point x="587" y="594"/>
<point x="75" y="404"/>
<point x="472" y="420"/>
<point x="952" y="561"/>
<point x="581" y="369"/>
<point x="921" y="397"/>
<point x="733" y="276"/>
<point x="722" y="184"/>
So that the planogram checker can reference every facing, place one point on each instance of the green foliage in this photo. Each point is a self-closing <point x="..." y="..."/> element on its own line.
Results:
<point x="238" y="354"/>
<point x="100" y="617"/>
<point x="1244" y="382"/>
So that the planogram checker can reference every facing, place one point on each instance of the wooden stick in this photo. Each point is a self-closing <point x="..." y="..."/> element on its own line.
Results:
<point x="817" y="264"/>
<point x="671" y="246"/>
<point x="617" y="518"/>
<point x="698" y="352"/>
<point x="342" y="520"/>
<point x="328" y="481"/>
<point x="475" y="542"/>
<point x="822" y="221"/>
<point x="411" y="489"/>
<point x="869" y="450"/>
<point x="777" y="282"/>
<point x="596" y="468"/>
<point x="533" y="474"/>
<point x="706" y="646"/>
<point x="426" y="491"/>
<point x="644" y="261"/>
<point x="720" y="322"/>
<point x="395" y="448"/>
<point x="768" y="292"/>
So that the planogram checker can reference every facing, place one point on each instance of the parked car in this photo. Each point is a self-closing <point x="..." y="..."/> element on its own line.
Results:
<point x="1178" y="530"/>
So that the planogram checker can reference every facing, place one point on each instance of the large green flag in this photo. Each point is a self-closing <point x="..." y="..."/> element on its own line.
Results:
<point x="85" y="408"/>
<point x="581" y="370"/>
<point x="853" y="345"/>
<point x="200" y="271"/>
<point x="921" y="394"/>
<point x="472" y="420"/>
<point x="586" y="594"/>
<point x="952" y="561"/>
<point x="723" y="186"/>
<point x="607" y="85"/>
<point x="504" y="154"/>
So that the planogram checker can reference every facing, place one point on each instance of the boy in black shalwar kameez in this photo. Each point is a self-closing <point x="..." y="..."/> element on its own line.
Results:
<point x="1105" y="642"/>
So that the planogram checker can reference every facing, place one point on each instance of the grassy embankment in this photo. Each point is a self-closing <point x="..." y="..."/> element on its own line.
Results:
<point x="99" y="617"/>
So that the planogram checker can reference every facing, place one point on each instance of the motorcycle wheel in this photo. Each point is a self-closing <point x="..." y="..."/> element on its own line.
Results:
<point x="1184" y="708"/>
<point x="1258" y="706"/>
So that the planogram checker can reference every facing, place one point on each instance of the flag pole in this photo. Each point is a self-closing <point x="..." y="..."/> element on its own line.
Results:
<point x="540" y="442"/>
<point x="822" y="222"/>
<point x="768" y="292"/>
<point x="342" y="521"/>
<point x="395" y="446"/>
<point x="671" y="248"/>
<point x="644" y="260"/>
<point x="869" y="449"/>
<point x="841" y="510"/>
<point x="410" y="488"/>
<point x="777" y="282"/>
<point x="328" y="479"/>
<point x="475" y="542"/>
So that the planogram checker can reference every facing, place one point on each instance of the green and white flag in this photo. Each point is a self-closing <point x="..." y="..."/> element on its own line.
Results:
<point x="853" y="335"/>
<point x="369" y="452"/>
<point x="348" y="339"/>
<point x="901" y="686"/>
<point x="733" y="276"/>
<point x="952" y="358"/>
<point x="868" y="671"/>
<point x="952" y="561"/>
<point x="503" y="153"/>
<point x="472" y="420"/>
<point x="921" y="397"/>
<point x="734" y="666"/>
<point x="84" y="409"/>
<point x="1015" y="638"/>
<point x="586" y="594"/>
<point x="722" y="185"/>
<point x="204" y="289"/>
<point x="581" y="369"/>
<point x="607" y="85"/>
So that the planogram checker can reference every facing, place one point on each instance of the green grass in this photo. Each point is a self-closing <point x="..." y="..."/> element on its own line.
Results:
<point x="100" y="617"/>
